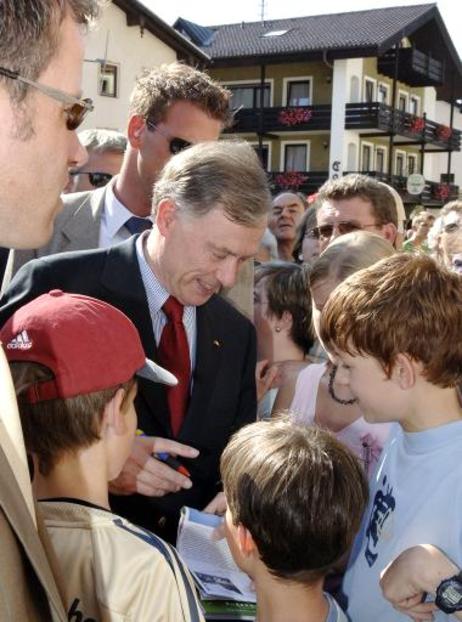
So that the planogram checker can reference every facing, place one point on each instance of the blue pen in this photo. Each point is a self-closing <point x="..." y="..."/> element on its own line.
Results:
<point x="169" y="460"/>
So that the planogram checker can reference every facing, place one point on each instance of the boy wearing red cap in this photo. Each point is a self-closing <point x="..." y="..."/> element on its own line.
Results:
<point x="74" y="361"/>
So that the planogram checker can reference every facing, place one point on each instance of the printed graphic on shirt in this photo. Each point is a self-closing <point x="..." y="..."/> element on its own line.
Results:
<point x="381" y="521"/>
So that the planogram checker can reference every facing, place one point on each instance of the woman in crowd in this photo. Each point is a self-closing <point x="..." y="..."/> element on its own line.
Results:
<point x="282" y="315"/>
<point x="306" y="247"/>
<point x="315" y="398"/>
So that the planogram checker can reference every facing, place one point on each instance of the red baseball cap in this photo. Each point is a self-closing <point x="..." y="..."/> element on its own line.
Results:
<point x="88" y="344"/>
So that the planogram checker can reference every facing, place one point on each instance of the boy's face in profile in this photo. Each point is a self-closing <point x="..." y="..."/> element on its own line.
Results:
<point x="232" y="537"/>
<point x="368" y="383"/>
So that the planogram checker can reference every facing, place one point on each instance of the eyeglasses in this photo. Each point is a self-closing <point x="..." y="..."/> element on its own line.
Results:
<point x="97" y="180"/>
<point x="324" y="232"/>
<point x="76" y="109"/>
<point x="175" y="144"/>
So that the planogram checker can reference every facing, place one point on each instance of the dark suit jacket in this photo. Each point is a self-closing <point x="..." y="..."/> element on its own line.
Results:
<point x="223" y="396"/>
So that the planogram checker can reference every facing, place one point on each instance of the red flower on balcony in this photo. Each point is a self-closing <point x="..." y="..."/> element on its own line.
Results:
<point x="442" y="192"/>
<point x="443" y="133"/>
<point x="417" y="125"/>
<point x="294" y="116"/>
<point x="290" y="180"/>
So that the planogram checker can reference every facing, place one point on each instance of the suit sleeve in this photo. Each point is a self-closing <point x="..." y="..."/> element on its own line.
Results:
<point x="30" y="281"/>
<point x="16" y="259"/>
<point x="247" y="408"/>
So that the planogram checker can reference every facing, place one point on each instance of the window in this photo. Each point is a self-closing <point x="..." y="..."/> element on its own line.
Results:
<point x="248" y="96"/>
<point x="380" y="160"/>
<point x="108" y="80"/>
<point x="382" y="93"/>
<point x="414" y="105"/>
<point x="411" y="164"/>
<point x="275" y="33"/>
<point x="366" y="158"/>
<point x="399" y="164"/>
<point x="402" y="101"/>
<point x="369" y="90"/>
<point x="295" y="157"/>
<point x="299" y="93"/>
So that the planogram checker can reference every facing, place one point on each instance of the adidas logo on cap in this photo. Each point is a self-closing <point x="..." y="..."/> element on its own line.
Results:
<point x="20" y="342"/>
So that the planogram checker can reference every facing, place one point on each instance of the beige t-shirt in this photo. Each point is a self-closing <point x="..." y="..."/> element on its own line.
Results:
<point x="113" y="570"/>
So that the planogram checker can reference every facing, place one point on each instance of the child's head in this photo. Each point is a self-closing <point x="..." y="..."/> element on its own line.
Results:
<point x="295" y="499"/>
<point x="344" y="256"/>
<point x="71" y="356"/>
<point x="405" y="309"/>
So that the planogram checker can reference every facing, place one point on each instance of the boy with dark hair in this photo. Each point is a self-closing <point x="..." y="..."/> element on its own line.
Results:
<point x="74" y="360"/>
<point x="394" y="330"/>
<point x="295" y="500"/>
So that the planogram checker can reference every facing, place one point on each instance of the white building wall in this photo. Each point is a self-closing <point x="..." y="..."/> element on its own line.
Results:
<point x="132" y="52"/>
<point x="341" y="141"/>
<point x="443" y="115"/>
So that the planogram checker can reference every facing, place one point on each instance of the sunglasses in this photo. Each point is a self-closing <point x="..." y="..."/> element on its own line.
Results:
<point x="324" y="232"/>
<point x="175" y="144"/>
<point x="75" y="109"/>
<point x="97" y="180"/>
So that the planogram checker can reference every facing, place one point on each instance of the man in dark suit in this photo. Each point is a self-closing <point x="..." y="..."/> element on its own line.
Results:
<point x="41" y="54"/>
<point x="210" y="208"/>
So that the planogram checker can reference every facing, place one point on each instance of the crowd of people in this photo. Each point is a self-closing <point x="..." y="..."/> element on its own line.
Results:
<point x="175" y="336"/>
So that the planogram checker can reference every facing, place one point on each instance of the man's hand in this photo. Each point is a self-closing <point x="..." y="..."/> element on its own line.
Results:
<point x="416" y="572"/>
<point x="148" y="476"/>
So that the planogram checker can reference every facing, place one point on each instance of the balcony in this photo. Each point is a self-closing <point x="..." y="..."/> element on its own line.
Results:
<point x="305" y="182"/>
<point x="282" y="119"/>
<point x="414" y="67"/>
<point x="434" y="194"/>
<point x="378" y="116"/>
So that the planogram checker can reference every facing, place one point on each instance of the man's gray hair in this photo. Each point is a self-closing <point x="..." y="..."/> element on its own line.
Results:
<point x="29" y="35"/>
<point x="101" y="140"/>
<point x="226" y="174"/>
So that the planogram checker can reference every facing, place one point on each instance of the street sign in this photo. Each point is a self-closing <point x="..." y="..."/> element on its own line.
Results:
<point x="415" y="183"/>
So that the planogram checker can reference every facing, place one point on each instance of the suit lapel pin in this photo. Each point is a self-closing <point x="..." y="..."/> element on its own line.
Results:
<point x="216" y="343"/>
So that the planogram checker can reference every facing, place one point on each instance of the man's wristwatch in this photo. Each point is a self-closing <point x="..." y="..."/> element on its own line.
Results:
<point x="449" y="594"/>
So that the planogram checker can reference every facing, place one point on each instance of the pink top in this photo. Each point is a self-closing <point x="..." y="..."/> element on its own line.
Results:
<point x="364" y="439"/>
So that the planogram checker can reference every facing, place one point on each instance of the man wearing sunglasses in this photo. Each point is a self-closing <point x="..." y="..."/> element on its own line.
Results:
<point x="105" y="150"/>
<point x="41" y="54"/>
<point x="352" y="203"/>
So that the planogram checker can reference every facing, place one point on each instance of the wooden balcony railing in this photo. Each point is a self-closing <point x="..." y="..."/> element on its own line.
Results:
<point x="282" y="119"/>
<point x="375" y="115"/>
<point x="306" y="182"/>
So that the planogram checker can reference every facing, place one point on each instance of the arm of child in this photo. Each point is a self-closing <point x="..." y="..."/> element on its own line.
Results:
<point x="416" y="572"/>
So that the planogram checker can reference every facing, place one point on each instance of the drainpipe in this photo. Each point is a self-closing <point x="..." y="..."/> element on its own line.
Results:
<point x="262" y="111"/>
<point x="393" y="104"/>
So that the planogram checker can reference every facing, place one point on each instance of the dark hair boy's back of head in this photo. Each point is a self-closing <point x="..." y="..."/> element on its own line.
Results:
<point x="298" y="491"/>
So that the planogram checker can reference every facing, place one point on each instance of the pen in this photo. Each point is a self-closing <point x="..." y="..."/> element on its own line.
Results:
<point x="172" y="462"/>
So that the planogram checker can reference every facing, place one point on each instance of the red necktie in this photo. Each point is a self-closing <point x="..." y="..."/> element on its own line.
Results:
<point x="174" y="355"/>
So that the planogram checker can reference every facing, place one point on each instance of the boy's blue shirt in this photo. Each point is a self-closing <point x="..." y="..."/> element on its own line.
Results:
<point x="415" y="497"/>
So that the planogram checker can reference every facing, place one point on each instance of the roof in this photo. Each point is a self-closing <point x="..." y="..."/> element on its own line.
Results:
<point x="139" y="15"/>
<point x="355" y="34"/>
<point x="357" y="29"/>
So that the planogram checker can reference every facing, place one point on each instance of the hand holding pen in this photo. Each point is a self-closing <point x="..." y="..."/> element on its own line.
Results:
<point x="151" y="476"/>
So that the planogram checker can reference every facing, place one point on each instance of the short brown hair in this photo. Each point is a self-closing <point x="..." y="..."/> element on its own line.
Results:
<point x="403" y="304"/>
<point x="287" y="289"/>
<point x="159" y="88"/>
<point x="29" y="35"/>
<point x="56" y="427"/>
<point x="298" y="491"/>
<point x="225" y="174"/>
<point x="368" y="189"/>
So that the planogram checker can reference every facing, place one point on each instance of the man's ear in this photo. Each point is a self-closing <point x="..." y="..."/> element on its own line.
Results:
<point x="166" y="215"/>
<point x="113" y="417"/>
<point x="389" y="232"/>
<point x="135" y="130"/>
<point x="245" y="541"/>
<point x="404" y="372"/>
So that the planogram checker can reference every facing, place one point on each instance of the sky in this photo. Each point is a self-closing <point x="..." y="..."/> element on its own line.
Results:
<point x="210" y="12"/>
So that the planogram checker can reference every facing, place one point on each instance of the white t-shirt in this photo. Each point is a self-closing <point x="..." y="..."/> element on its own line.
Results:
<point x="415" y="498"/>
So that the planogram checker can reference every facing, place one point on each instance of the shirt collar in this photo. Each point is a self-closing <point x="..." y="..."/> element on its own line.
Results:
<point x="115" y="212"/>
